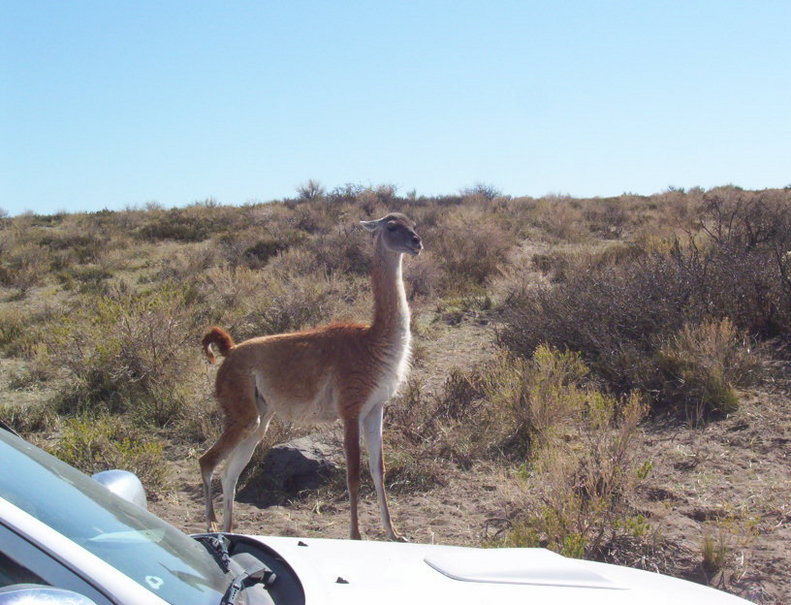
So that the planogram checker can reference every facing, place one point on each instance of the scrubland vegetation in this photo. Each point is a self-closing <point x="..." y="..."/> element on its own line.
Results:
<point x="605" y="319"/>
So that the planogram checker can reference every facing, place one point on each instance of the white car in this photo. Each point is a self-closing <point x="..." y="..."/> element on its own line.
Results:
<point x="66" y="538"/>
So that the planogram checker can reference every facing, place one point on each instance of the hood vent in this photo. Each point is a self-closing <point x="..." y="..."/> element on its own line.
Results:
<point x="535" y="566"/>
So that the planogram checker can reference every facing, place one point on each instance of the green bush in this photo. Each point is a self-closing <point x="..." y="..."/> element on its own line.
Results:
<point x="701" y="366"/>
<point x="532" y="398"/>
<point x="580" y="469"/>
<point x="99" y="443"/>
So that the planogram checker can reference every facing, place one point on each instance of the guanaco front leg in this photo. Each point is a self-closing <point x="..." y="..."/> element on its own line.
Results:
<point x="372" y="430"/>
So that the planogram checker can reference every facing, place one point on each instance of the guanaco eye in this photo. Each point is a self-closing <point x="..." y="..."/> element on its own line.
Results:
<point x="391" y="227"/>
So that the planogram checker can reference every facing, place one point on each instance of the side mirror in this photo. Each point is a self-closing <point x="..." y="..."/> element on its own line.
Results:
<point x="36" y="594"/>
<point x="123" y="484"/>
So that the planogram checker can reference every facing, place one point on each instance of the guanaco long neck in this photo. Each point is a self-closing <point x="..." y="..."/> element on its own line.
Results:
<point x="391" y="311"/>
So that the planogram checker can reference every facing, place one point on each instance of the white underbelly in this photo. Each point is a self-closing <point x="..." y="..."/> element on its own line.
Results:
<point x="323" y="407"/>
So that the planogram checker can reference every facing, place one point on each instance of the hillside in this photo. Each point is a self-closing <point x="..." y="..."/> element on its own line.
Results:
<point x="604" y="377"/>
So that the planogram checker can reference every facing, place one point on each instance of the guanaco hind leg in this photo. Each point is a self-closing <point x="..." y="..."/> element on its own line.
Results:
<point x="237" y="460"/>
<point x="225" y="447"/>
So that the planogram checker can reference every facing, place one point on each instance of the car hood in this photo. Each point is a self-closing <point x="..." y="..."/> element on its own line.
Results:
<point x="348" y="572"/>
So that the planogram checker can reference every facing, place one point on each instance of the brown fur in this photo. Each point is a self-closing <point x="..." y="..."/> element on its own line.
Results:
<point x="344" y="371"/>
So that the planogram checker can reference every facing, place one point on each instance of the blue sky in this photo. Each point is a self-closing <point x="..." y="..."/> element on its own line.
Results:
<point x="109" y="104"/>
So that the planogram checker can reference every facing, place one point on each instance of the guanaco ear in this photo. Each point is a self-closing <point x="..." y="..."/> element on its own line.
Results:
<point x="371" y="226"/>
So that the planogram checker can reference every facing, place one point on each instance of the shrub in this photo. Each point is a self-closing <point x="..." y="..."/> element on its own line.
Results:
<point x="129" y="353"/>
<point x="85" y="279"/>
<point x="254" y="249"/>
<point x="621" y="313"/>
<point x="29" y="419"/>
<point x="702" y="364"/>
<point x="94" y="444"/>
<point x="13" y="327"/>
<point x="610" y="315"/>
<point x="22" y="266"/>
<point x="715" y="552"/>
<point x="529" y="398"/>
<point x="75" y="247"/>
<point x="422" y="276"/>
<point x="287" y="305"/>
<point x="193" y="224"/>
<point x="481" y="191"/>
<point x="470" y="247"/>
<point x="580" y="470"/>
<point x="310" y="190"/>
<point x="347" y="249"/>
<point x="345" y="193"/>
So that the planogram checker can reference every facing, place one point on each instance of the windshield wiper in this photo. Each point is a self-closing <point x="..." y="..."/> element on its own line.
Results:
<point x="217" y="544"/>
<point x="256" y="572"/>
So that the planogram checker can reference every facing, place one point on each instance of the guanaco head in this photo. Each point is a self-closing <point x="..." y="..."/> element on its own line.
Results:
<point x="397" y="232"/>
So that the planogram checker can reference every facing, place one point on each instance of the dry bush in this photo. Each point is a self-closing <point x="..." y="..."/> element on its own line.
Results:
<point x="23" y="334"/>
<point x="195" y="223"/>
<point x="747" y="238"/>
<point x="346" y="193"/>
<point x="470" y="247"/>
<point x="422" y="276"/>
<point x="346" y="249"/>
<point x="621" y="312"/>
<point x="85" y="279"/>
<point x="75" y="248"/>
<point x="292" y="304"/>
<point x="128" y="353"/>
<point x="310" y="190"/>
<point x="606" y="218"/>
<point x="280" y="298"/>
<point x="255" y="246"/>
<point x="487" y="413"/>
<point x="606" y="314"/>
<point x="187" y="263"/>
<point x="408" y="431"/>
<point x="560" y="218"/>
<point x="424" y="433"/>
<point x="13" y="329"/>
<point x="480" y="193"/>
<point x="22" y="266"/>
<point x="224" y="291"/>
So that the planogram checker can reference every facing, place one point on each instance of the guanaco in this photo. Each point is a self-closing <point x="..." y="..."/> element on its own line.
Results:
<point x="339" y="371"/>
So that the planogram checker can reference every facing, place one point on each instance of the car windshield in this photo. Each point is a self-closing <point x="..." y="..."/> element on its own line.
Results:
<point x="150" y="551"/>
